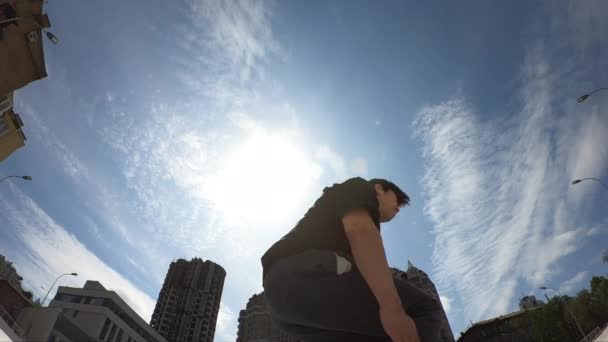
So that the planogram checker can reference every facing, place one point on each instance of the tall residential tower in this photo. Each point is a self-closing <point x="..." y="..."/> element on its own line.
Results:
<point x="189" y="301"/>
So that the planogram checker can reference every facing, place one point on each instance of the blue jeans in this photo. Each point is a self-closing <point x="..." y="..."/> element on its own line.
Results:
<point x="309" y="300"/>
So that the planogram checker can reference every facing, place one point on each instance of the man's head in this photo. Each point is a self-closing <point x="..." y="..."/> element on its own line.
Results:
<point x="390" y="198"/>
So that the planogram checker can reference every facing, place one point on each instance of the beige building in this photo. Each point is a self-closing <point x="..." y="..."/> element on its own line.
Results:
<point x="11" y="133"/>
<point x="91" y="313"/>
<point x="21" y="52"/>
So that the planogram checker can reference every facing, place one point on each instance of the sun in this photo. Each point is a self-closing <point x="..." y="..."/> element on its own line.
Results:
<point x="263" y="179"/>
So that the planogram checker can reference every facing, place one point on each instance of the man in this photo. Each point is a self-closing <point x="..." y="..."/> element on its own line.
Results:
<point x="328" y="279"/>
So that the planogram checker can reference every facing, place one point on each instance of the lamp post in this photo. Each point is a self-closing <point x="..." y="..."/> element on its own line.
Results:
<point x="49" y="291"/>
<point x="22" y="177"/>
<point x="576" y="181"/>
<point x="566" y="306"/>
<point x="585" y="96"/>
<point x="49" y="35"/>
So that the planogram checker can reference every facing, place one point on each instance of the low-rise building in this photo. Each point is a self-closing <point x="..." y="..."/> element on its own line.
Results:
<point x="516" y="327"/>
<point x="11" y="134"/>
<point x="21" y="49"/>
<point x="91" y="313"/>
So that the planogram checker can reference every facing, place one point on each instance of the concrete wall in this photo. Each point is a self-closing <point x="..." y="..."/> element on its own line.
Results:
<point x="38" y="322"/>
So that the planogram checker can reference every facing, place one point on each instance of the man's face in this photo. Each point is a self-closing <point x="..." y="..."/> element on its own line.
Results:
<point x="389" y="206"/>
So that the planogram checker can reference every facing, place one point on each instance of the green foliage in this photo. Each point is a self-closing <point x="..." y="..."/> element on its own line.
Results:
<point x="554" y="322"/>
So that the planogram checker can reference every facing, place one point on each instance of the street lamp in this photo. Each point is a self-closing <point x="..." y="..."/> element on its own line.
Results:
<point x="29" y="178"/>
<point x="49" y="35"/>
<point x="585" y="96"/>
<point x="566" y="306"/>
<point x="576" y="181"/>
<point x="72" y="274"/>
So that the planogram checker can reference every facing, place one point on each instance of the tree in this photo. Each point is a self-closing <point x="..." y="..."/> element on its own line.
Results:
<point x="554" y="323"/>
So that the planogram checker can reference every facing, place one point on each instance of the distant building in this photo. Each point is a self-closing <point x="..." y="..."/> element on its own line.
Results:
<point x="11" y="134"/>
<point x="7" y="271"/>
<point x="21" y="52"/>
<point x="529" y="302"/>
<point x="422" y="281"/>
<point x="12" y="301"/>
<point x="91" y="313"/>
<point x="255" y="324"/>
<point x="514" y="327"/>
<point x="189" y="301"/>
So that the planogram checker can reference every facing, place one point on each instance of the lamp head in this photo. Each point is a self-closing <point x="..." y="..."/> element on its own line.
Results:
<point x="27" y="178"/>
<point x="582" y="98"/>
<point x="74" y="274"/>
<point x="52" y="37"/>
<point x="576" y="181"/>
<point x="543" y="288"/>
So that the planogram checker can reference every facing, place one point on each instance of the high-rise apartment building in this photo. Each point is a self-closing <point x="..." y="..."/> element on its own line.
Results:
<point x="189" y="301"/>
<point x="422" y="281"/>
<point x="255" y="324"/>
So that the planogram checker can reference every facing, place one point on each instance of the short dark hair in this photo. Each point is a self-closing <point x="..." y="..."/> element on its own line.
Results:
<point x="402" y="198"/>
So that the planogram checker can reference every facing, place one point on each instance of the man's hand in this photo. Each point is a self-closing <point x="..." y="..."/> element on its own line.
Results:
<point x="397" y="324"/>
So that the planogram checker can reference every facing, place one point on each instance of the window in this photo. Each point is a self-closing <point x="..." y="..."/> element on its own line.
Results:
<point x="87" y="300"/>
<point x="104" y="330"/>
<point x="97" y="301"/>
<point x="5" y="104"/>
<point x="52" y="338"/>
<point x="3" y="125"/>
<point x="119" y="336"/>
<point x="112" y="332"/>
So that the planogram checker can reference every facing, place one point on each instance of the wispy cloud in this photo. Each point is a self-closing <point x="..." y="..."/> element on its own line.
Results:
<point x="498" y="192"/>
<point x="226" y="325"/>
<point x="447" y="304"/>
<point x="47" y="249"/>
<point x="241" y="30"/>
<point x="495" y="192"/>
<point x="574" y="283"/>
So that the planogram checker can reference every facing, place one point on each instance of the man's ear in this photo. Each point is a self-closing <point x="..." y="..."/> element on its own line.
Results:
<point x="378" y="189"/>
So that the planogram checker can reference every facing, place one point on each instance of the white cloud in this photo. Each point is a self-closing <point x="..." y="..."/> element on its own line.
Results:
<point x="447" y="304"/>
<point x="575" y="283"/>
<point x="498" y="194"/>
<point x="227" y="325"/>
<point x="49" y="250"/>
<point x="359" y="166"/>
<point x="240" y="29"/>
<point x="596" y="230"/>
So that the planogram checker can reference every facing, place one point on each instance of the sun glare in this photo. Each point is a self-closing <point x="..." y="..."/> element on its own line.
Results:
<point x="262" y="179"/>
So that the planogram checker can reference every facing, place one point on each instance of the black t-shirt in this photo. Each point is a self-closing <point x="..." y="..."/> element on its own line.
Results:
<point x="321" y="228"/>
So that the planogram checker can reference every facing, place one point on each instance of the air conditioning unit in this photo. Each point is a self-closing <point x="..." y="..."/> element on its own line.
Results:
<point x="5" y="104"/>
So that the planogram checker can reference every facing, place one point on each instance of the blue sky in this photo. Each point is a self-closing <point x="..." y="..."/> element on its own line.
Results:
<point x="207" y="128"/>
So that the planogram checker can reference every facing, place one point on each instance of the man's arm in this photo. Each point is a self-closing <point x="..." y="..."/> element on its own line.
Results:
<point x="368" y="252"/>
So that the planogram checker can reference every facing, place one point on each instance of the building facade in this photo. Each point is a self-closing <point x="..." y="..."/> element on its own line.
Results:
<point x="422" y="281"/>
<point x="255" y="324"/>
<point x="21" y="50"/>
<point x="189" y="301"/>
<point x="91" y="313"/>
<point x="11" y="135"/>
<point x="514" y="327"/>
<point x="12" y="301"/>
